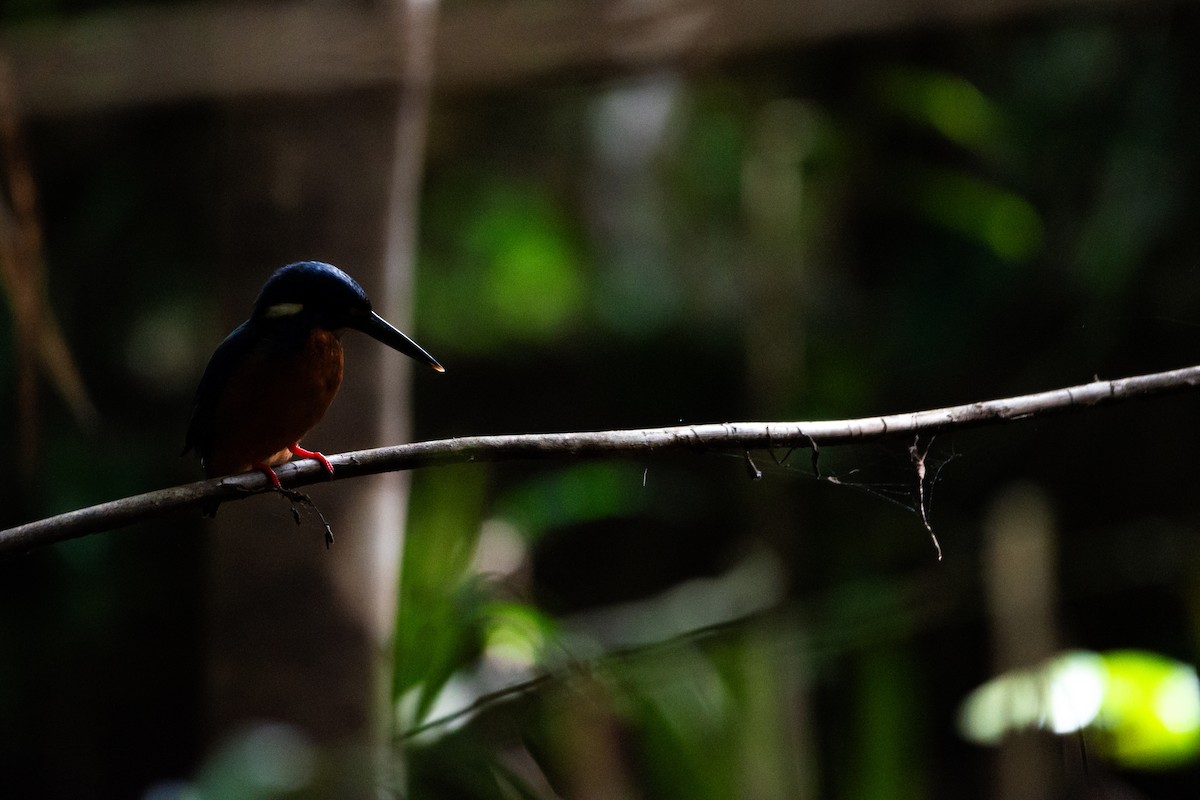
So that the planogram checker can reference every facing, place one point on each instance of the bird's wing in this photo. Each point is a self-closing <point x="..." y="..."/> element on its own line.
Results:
<point x="224" y="359"/>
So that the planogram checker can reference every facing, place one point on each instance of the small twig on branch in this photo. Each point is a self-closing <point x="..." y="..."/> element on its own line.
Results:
<point x="741" y="436"/>
<point x="917" y="455"/>
<point x="301" y="499"/>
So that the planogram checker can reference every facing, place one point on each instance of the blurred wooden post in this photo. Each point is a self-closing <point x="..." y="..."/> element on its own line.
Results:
<point x="298" y="634"/>
<point x="1019" y="560"/>
<point x="230" y="50"/>
<point x="386" y="495"/>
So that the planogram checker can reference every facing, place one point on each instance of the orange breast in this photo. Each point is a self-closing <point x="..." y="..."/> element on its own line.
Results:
<point x="271" y="400"/>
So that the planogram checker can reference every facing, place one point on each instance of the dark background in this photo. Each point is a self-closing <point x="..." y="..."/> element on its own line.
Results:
<point x="883" y="218"/>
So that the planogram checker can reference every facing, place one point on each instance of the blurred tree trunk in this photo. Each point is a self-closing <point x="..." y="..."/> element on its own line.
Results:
<point x="299" y="634"/>
<point x="1020" y="565"/>
<point x="386" y="495"/>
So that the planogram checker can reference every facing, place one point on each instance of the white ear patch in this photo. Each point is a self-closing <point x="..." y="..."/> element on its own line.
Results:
<point x="283" y="310"/>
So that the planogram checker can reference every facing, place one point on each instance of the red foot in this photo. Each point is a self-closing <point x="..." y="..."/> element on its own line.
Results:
<point x="270" y="473"/>
<point x="300" y="452"/>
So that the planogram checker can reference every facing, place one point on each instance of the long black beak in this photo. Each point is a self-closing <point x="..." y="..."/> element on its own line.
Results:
<point x="381" y="330"/>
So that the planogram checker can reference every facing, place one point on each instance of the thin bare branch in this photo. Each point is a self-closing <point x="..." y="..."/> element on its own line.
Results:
<point x="39" y="339"/>
<point x="725" y="436"/>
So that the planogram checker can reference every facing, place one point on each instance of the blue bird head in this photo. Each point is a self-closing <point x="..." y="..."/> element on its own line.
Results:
<point x="316" y="294"/>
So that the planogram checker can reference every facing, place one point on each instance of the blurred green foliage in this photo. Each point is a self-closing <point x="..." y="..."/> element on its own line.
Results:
<point x="870" y="222"/>
<point x="1139" y="709"/>
<point x="510" y="255"/>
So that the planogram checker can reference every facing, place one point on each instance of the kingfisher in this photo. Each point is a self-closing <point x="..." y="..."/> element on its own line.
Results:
<point x="275" y="375"/>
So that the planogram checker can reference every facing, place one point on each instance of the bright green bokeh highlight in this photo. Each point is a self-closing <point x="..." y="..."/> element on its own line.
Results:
<point x="531" y="285"/>
<point x="949" y="104"/>
<point x="517" y="633"/>
<point x="1151" y="710"/>
<point x="1004" y="222"/>
<point x="512" y="258"/>
<point x="1143" y="707"/>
